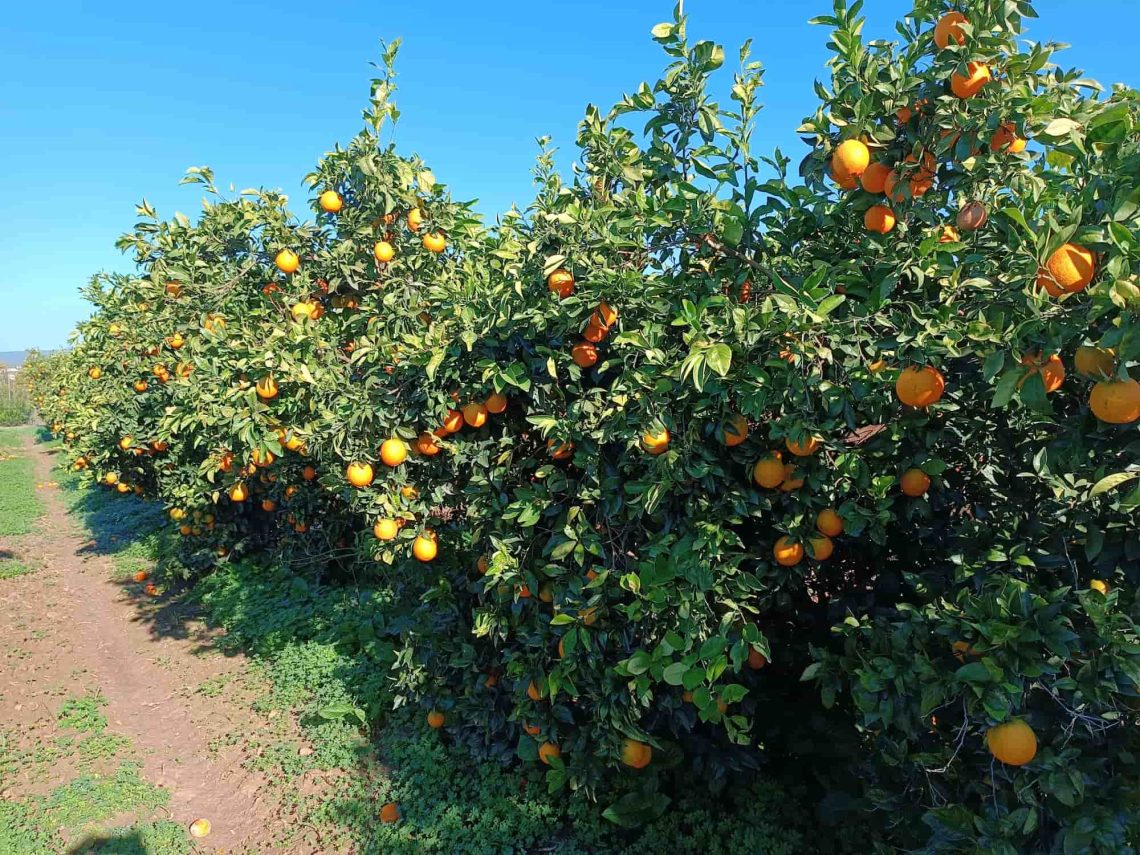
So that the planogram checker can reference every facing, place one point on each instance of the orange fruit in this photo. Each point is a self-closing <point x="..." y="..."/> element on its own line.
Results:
<point x="415" y="219"/>
<point x="874" y="177"/>
<point x="426" y="546"/>
<point x="393" y="452"/>
<point x="533" y="691"/>
<point x="1095" y="362"/>
<point x="173" y="290"/>
<point x="474" y="414"/>
<point x="655" y="443"/>
<point x="560" y="282"/>
<point x="756" y="659"/>
<point x="435" y="242"/>
<point x="126" y="442"/>
<point x="793" y="478"/>
<point x="1100" y="586"/>
<point x="787" y="553"/>
<point x="141" y="576"/>
<point x="1052" y="370"/>
<point x="829" y="523"/>
<point x="385" y="529"/>
<point x="845" y="181"/>
<point x="95" y="372"/>
<point x="427" y="445"/>
<point x="1005" y="138"/>
<point x="879" y="218"/>
<point x="949" y="235"/>
<point x="920" y="387"/>
<point x="1013" y="743"/>
<point x="238" y="493"/>
<point x="268" y="505"/>
<point x="435" y="719"/>
<point x="358" y="474"/>
<point x="636" y="754"/>
<point x="594" y="331"/>
<point x="389" y="812"/>
<point x="482" y="564"/>
<point x="260" y="459"/>
<point x="735" y="430"/>
<point x="287" y="261"/>
<point x="309" y="473"/>
<point x="532" y="729"/>
<point x="949" y="28"/>
<point x="409" y="492"/>
<point x="850" y="159"/>
<point x="330" y="201"/>
<point x="972" y="216"/>
<point x="584" y="354"/>
<point x="200" y="828"/>
<point x="453" y="423"/>
<point x="383" y="251"/>
<point x="970" y="84"/>
<point x="914" y="483"/>
<point x="1070" y="267"/>
<point x="267" y="388"/>
<point x="805" y="448"/>
<point x="1116" y="402"/>
<point x="548" y="751"/>
<point x="769" y="471"/>
<point x="496" y="403"/>
<point x="559" y="451"/>
<point x="821" y="547"/>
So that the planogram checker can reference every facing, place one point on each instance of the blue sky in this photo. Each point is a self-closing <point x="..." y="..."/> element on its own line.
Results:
<point x="99" y="109"/>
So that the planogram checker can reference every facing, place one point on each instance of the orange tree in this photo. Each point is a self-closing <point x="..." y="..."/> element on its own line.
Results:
<point x="692" y="466"/>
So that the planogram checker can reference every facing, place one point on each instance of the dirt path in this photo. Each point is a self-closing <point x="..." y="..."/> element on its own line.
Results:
<point x="74" y="629"/>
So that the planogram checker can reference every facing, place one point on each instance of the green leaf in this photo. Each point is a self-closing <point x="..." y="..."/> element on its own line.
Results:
<point x="1111" y="482"/>
<point x="719" y="358"/>
<point x="636" y="809"/>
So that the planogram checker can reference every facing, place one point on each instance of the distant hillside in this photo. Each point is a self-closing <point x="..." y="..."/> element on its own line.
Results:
<point x="13" y="358"/>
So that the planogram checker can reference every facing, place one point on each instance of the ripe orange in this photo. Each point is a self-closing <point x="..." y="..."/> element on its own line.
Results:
<point x="238" y="493"/>
<point x="496" y="403"/>
<point x="309" y="473"/>
<point x="970" y="84"/>
<point x="141" y="576"/>
<point x="1005" y="138"/>
<point x="532" y="729"/>
<point x="200" y="828"/>
<point x="427" y="445"/>
<point x="594" y="331"/>
<point x="95" y="372"/>
<point x="821" y="547"/>
<point x="330" y="201"/>
<point x="287" y="261"/>
<point x="482" y="565"/>
<point x="914" y="482"/>
<point x="756" y="659"/>
<point x="560" y="282"/>
<point x="415" y="219"/>
<point x="453" y="423"/>
<point x="874" y="177"/>
<point x="850" y="159"/>
<point x="1052" y="370"/>
<point x="559" y="451"/>
<point x="533" y="691"/>
<point x="829" y="523"/>
<point x="584" y="354"/>
<point x="409" y="492"/>
<point x="426" y="546"/>
<point x="474" y="414"/>
<point x="389" y="812"/>
<point x="793" y="478"/>
<point x="358" y="474"/>
<point x="267" y="388"/>
<point x="435" y="719"/>
<point x="1071" y="267"/>
<point x="949" y="235"/>
<point x="173" y="290"/>
<point x="435" y="242"/>
<point x="393" y="452"/>
<point x="787" y="553"/>
<point x="735" y="430"/>
<point x="845" y="181"/>
<point x="806" y="448"/>
<point x="1095" y="362"/>
<point x="606" y="314"/>
<point x="1013" y="743"/>
<point x="949" y="28"/>
<point x="1116" y="402"/>
<point x="636" y="754"/>
<point x="383" y="251"/>
<point x="879" y="218"/>
<point x="548" y="751"/>
<point x="1100" y="586"/>
<point x="920" y="387"/>
<point x="655" y="443"/>
<point x="386" y="529"/>
<point x="972" y="216"/>
<point x="769" y="471"/>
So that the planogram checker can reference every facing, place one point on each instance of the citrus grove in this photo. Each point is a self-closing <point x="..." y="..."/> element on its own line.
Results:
<point x="701" y="465"/>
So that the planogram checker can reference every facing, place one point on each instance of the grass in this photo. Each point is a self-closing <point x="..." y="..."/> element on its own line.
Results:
<point x="19" y="504"/>
<point x="83" y="714"/>
<point x="10" y="568"/>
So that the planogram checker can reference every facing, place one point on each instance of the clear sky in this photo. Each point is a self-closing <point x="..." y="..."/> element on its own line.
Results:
<point x="100" y="106"/>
